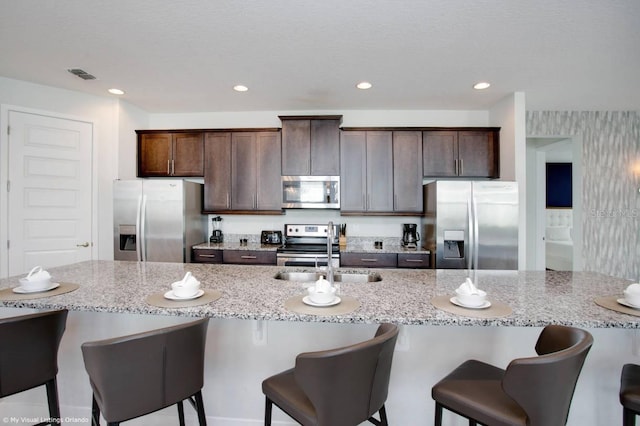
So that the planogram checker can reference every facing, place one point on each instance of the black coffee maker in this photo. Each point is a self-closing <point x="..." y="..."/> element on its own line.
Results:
<point x="410" y="235"/>
<point x="216" y="235"/>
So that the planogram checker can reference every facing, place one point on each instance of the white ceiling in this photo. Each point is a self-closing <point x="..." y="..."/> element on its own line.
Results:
<point x="185" y="55"/>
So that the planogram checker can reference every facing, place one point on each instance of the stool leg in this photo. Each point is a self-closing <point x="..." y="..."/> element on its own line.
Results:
<point x="180" y="413"/>
<point x="383" y="416"/>
<point x="438" y="419"/>
<point x="202" y="420"/>
<point x="95" y="412"/>
<point x="628" y="417"/>
<point x="267" y="412"/>
<point x="52" y="400"/>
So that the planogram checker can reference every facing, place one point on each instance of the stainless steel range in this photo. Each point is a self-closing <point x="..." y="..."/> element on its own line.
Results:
<point x="307" y="245"/>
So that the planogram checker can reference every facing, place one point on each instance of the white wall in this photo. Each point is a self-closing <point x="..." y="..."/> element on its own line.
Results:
<point x="510" y="115"/>
<point x="103" y="113"/>
<point x="116" y="120"/>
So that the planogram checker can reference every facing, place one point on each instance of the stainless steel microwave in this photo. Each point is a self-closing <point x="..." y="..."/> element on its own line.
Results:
<point x="311" y="192"/>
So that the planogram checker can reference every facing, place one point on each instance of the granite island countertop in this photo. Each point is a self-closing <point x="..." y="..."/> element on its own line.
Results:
<point x="537" y="298"/>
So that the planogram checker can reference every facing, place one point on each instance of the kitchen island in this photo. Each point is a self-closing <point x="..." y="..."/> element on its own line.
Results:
<point x="252" y="335"/>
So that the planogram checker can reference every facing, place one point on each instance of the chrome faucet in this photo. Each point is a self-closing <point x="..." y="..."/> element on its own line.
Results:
<point x="329" y="252"/>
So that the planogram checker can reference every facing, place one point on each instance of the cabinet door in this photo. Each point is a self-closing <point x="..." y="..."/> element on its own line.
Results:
<point x="296" y="147"/>
<point x="188" y="154"/>
<point x="217" y="172"/>
<point x="407" y="171"/>
<point x="478" y="154"/>
<point x="325" y="147"/>
<point x="206" y="255"/>
<point x="379" y="171"/>
<point x="154" y="154"/>
<point x="269" y="182"/>
<point x="249" y="257"/>
<point x="353" y="168"/>
<point x="243" y="171"/>
<point x="370" y="260"/>
<point x="439" y="153"/>
<point x="414" y="261"/>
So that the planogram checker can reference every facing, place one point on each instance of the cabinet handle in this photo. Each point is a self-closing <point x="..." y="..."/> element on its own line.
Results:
<point x="248" y="257"/>
<point x="461" y="167"/>
<point x="173" y="167"/>
<point x="85" y="244"/>
<point x="168" y="167"/>
<point x="414" y="260"/>
<point x="455" y="165"/>
<point x="206" y="255"/>
<point x="369" y="260"/>
<point x="227" y="200"/>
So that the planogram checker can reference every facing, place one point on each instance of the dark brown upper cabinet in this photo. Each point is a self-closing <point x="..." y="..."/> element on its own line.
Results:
<point x="366" y="172"/>
<point x="311" y="145"/>
<point x="407" y="172"/>
<point x="242" y="173"/>
<point x="381" y="172"/>
<point x="461" y="153"/>
<point x="162" y="154"/>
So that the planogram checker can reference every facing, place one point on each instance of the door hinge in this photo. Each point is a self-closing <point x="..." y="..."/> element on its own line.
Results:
<point x="8" y="186"/>
<point x="8" y="130"/>
<point x="8" y="244"/>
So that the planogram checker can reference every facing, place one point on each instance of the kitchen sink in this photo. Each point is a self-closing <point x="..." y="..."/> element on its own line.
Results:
<point x="344" y="277"/>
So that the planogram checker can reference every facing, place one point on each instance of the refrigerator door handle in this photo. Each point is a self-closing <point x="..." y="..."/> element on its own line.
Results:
<point x="138" y="229"/>
<point x="469" y="249"/>
<point x="143" y="230"/>
<point x="476" y="243"/>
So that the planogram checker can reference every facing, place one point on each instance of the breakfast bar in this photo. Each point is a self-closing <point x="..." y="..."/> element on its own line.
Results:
<point x="255" y="330"/>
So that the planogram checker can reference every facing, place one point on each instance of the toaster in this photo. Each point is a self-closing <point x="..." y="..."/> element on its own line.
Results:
<point x="271" y="237"/>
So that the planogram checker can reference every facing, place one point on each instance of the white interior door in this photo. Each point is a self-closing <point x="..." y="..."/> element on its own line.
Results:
<point x="49" y="191"/>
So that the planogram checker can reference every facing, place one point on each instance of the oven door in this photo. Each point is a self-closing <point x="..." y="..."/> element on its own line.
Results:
<point x="307" y="259"/>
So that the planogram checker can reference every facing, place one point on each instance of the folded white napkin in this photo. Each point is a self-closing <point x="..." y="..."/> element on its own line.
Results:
<point x="322" y="285"/>
<point x="467" y="287"/>
<point x="38" y="274"/>
<point x="634" y="288"/>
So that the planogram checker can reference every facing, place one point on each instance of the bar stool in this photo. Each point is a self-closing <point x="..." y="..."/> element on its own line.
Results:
<point x="337" y="387"/>
<point x="534" y="391"/>
<point x="630" y="393"/>
<point x="135" y="375"/>
<point x="29" y="355"/>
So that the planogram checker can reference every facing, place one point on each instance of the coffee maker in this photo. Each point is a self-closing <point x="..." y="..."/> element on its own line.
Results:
<point x="410" y="235"/>
<point x="216" y="235"/>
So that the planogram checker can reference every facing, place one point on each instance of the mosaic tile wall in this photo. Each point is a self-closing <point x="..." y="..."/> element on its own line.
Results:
<point x="611" y="201"/>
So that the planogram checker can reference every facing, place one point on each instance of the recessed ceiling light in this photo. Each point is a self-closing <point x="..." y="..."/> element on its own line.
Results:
<point x="240" y="88"/>
<point x="482" y="85"/>
<point x="115" y="91"/>
<point x="364" y="85"/>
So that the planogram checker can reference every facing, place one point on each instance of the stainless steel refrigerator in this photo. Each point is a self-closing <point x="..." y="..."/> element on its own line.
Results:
<point x="157" y="220"/>
<point x="471" y="224"/>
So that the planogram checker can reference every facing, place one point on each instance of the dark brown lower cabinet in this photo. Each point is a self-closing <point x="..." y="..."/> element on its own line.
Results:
<point x="206" y="255"/>
<point x="249" y="257"/>
<point x="414" y="260"/>
<point x="369" y="260"/>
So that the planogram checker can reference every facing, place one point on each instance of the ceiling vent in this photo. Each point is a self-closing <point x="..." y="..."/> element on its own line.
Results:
<point x="82" y="74"/>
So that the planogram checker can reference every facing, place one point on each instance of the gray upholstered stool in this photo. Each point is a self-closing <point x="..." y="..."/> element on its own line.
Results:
<point x="630" y="393"/>
<point x="534" y="391"/>
<point x="138" y="374"/>
<point x="29" y="355"/>
<point x="337" y="387"/>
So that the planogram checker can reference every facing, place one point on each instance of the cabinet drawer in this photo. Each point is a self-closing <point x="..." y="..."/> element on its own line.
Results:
<point x="206" y="256"/>
<point x="413" y="260"/>
<point x="370" y="260"/>
<point x="249" y="257"/>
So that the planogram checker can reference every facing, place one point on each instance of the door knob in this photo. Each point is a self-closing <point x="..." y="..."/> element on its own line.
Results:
<point x="86" y="244"/>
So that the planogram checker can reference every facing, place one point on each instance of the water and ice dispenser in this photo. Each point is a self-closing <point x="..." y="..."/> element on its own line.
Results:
<point x="453" y="244"/>
<point x="127" y="237"/>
